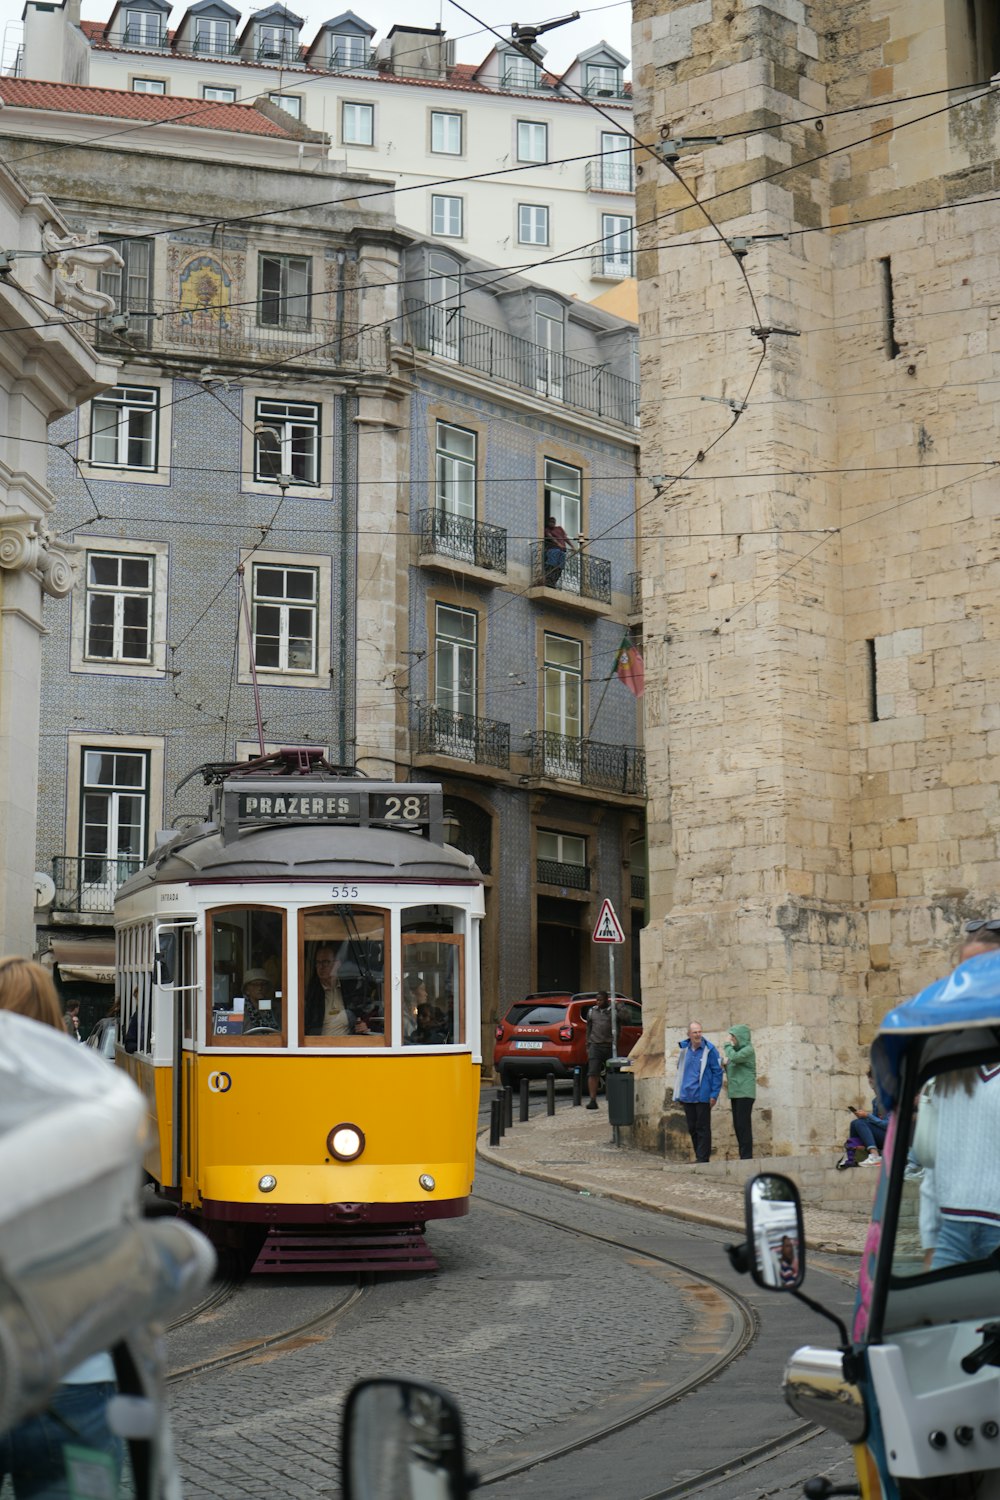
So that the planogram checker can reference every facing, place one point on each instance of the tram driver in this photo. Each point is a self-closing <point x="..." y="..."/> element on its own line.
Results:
<point x="259" y="1009"/>
<point x="326" y="1013"/>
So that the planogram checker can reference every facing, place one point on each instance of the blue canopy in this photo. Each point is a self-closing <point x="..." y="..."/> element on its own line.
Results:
<point x="968" y="997"/>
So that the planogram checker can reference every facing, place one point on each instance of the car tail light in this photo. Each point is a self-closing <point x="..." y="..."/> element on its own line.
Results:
<point x="499" y="1032"/>
<point x="565" y="1033"/>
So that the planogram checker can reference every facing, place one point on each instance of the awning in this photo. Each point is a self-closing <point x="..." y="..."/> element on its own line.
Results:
<point x="90" y="960"/>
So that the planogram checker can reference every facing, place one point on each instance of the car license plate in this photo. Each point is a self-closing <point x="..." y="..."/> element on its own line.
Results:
<point x="529" y="1046"/>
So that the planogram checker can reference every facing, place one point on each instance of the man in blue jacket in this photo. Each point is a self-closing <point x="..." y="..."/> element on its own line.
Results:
<point x="697" y="1086"/>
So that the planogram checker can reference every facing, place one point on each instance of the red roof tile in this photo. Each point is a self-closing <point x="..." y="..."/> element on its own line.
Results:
<point x="118" y="104"/>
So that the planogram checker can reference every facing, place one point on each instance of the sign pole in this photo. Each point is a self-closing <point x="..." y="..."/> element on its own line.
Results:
<point x="614" y="1008"/>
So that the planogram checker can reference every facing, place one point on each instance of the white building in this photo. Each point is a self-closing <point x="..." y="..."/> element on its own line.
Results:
<point x="47" y="368"/>
<point x="560" y="197"/>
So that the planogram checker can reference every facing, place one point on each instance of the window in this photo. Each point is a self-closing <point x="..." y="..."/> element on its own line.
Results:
<point x="456" y="649"/>
<point x="131" y="284"/>
<point x="532" y="141"/>
<point x="148" y="86"/>
<point x="284" y="618"/>
<point x="616" y="245"/>
<point x="286" y="441"/>
<point x="446" y="132"/>
<point x="603" y="80"/>
<point x="213" y="36"/>
<point x="123" y="428"/>
<point x="285" y="291"/>
<point x="343" y="953"/>
<point x="562" y="684"/>
<point x="562" y="859"/>
<point x="114" y="815"/>
<point x="549" y="337"/>
<point x="532" y="224"/>
<point x="143" y="28"/>
<point x="563" y="497"/>
<point x="616" y="162"/>
<point x="290" y="103"/>
<point x="519" y="72"/>
<point x="456" y="471"/>
<point x="221" y="96"/>
<point x="358" y="125"/>
<point x="246" y="954"/>
<point x="433" y="1008"/>
<point x="348" y="50"/>
<point x="444" y="309"/>
<point x="119" y="607"/>
<point x="446" y="215"/>
<point x="277" y="43"/>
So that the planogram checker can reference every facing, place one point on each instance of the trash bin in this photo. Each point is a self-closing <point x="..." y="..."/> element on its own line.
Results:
<point x="621" y="1092"/>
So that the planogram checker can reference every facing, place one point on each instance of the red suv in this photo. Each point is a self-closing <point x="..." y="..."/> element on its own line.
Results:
<point x="547" y="1033"/>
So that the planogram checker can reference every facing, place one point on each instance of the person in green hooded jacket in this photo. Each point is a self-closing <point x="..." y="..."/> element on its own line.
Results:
<point x="741" y="1081"/>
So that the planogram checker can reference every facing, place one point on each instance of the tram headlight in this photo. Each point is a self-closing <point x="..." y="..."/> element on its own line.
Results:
<point x="267" y="1183"/>
<point x="427" y="1182"/>
<point x="345" y="1142"/>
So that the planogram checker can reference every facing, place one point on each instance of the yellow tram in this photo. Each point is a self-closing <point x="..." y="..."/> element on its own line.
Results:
<point x="299" y="993"/>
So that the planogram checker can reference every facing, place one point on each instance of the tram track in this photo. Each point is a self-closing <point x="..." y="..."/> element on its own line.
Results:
<point x="283" y="1340"/>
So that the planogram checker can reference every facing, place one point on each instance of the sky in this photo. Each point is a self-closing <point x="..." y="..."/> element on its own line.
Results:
<point x="609" y="21"/>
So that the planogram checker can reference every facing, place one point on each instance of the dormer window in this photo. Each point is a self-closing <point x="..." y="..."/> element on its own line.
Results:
<point x="520" y="72"/>
<point x="143" y="28"/>
<point x="277" y="44"/>
<point x="348" y="51"/>
<point x="603" y="80"/>
<point x="213" y="37"/>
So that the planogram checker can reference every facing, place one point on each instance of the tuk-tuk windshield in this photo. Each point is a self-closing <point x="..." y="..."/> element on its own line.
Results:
<point x="946" y="1256"/>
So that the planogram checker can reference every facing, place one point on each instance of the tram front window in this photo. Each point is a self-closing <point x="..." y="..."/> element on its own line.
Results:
<point x="342" y="971"/>
<point x="433" y="1009"/>
<point x="247" y="965"/>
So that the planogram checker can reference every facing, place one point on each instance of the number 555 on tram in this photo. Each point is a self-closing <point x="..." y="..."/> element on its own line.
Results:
<point x="299" y="993"/>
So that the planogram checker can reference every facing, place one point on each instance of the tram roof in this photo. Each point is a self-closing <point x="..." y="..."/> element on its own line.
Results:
<point x="307" y="851"/>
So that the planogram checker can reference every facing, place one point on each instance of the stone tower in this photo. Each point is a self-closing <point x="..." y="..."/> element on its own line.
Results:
<point x="821" y="585"/>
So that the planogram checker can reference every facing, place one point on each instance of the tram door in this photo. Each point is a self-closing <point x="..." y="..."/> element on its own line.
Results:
<point x="177" y="966"/>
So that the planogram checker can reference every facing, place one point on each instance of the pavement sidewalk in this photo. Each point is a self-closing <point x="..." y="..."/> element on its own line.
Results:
<point x="575" y="1148"/>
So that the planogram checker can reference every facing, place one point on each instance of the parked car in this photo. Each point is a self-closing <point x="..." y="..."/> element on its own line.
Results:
<point x="547" y="1033"/>
<point x="103" y="1037"/>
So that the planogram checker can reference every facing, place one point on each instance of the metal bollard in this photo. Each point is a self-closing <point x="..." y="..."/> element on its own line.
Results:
<point x="523" y="1114"/>
<point x="577" y="1086"/>
<point x="550" y="1094"/>
<point x="494" y="1122"/>
<point x="501" y="1112"/>
<point x="508" y="1106"/>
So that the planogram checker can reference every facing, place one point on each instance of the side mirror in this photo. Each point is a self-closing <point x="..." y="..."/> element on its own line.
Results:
<point x="402" y="1440"/>
<point x="775" y="1238"/>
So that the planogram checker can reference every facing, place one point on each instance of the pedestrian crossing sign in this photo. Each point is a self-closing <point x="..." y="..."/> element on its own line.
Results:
<point x="608" y="928"/>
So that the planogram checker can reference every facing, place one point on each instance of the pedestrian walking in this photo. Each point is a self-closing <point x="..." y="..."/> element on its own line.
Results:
<point x="600" y="1043"/>
<point x="740" y="1063"/>
<point x="71" y="1020"/>
<point x="697" y="1085"/>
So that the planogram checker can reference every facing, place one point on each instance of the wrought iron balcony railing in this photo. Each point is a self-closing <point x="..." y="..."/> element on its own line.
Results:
<point x="288" y="54"/>
<point x="524" y="81"/>
<point x="590" y="763"/>
<point x="617" y="264"/>
<point x="554" y="872"/>
<point x="582" y="574"/>
<point x="221" y="332"/>
<point x="605" y="176"/>
<point x="635" y="593"/>
<point x="449" y="334"/>
<point x="458" y="537"/>
<point x="152" y="37"/>
<point x="483" y="742"/>
<point x="638" y="887"/>
<point x="89" y="883"/>
<point x="343" y="62"/>
<point x="209" y="46"/>
<point x="599" y="89"/>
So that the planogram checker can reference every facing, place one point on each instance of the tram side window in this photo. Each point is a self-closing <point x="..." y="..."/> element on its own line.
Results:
<point x="433" y="991"/>
<point x="342" y="958"/>
<point x="247" y="959"/>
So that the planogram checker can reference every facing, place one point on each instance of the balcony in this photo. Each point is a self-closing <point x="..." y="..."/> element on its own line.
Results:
<point x="481" y="742"/>
<point x="637" y="887"/>
<point x="209" y="46"/>
<point x="554" y="872"/>
<point x="605" y="176"/>
<point x="613" y="265"/>
<point x="616" y="769"/>
<point x="211" y="332"/>
<point x="447" y="333"/>
<point x="284" y="54"/>
<point x="524" y="81"/>
<point x="583" y="584"/>
<point x="88" y="884"/>
<point x="462" y="547"/>
<point x="149" y="38"/>
<point x="349" y="62"/>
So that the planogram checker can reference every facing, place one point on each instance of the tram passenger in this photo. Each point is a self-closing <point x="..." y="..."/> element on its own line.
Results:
<point x="32" y="1452"/>
<point x="326" y="1013"/>
<point x="259" y="1009"/>
<point x="415" y="999"/>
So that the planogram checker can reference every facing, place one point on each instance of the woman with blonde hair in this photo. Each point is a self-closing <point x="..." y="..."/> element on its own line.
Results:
<point x="32" y="1452"/>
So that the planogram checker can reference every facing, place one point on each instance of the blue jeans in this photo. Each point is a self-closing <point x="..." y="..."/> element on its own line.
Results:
<point x="870" y="1135"/>
<point x="962" y="1240"/>
<point x="32" y="1452"/>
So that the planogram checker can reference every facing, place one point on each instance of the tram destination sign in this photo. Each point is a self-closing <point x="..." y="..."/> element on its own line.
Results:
<point x="294" y="799"/>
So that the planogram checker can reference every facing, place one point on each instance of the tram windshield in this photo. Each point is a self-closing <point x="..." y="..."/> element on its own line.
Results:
<point x="946" y="1255"/>
<point x="247" y="964"/>
<point x="433" y="1005"/>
